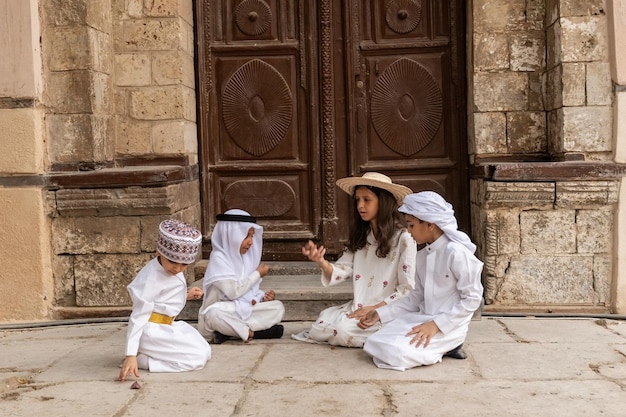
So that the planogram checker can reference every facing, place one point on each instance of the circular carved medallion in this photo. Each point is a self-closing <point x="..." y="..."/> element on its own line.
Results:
<point x="403" y="16"/>
<point x="406" y="107"/>
<point x="253" y="17"/>
<point x="257" y="107"/>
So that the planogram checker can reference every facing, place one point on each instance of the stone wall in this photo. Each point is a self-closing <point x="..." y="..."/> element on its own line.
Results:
<point x="543" y="96"/>
<point x="122" y="142"/>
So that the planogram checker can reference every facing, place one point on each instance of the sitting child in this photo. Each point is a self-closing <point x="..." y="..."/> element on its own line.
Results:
<point x="234" y="305"/>
<point x="159" y="291"/>
<point x="433" y="320"/>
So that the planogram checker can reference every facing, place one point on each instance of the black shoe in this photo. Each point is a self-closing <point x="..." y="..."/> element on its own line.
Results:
<point x="219" y="338"/>
<point x="274" y="332"/>
<point x="457" y="353"/>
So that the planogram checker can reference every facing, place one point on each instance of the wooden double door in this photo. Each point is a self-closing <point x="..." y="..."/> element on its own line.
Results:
<point x="295" y="94"/>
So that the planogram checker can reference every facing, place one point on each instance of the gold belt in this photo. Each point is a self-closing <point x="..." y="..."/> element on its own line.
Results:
<point x="160" y="318"/>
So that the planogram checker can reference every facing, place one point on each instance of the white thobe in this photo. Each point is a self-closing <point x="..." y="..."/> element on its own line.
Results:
<point x="162" y="347"/>
<point x="448" y="290"/>
<point x="219" y="310"/>
<point x="374" y="280"/>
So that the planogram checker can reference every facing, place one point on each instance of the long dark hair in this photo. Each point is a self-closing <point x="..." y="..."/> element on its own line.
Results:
<point x="389" y="220"/>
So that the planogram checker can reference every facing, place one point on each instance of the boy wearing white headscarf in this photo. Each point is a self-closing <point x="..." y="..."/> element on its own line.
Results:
<point x="234" y="305"/>
<point x="433" y="320"/>
<point x="155" y="341"/>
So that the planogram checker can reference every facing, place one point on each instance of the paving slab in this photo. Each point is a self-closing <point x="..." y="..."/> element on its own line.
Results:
<point x="515" y="367"/>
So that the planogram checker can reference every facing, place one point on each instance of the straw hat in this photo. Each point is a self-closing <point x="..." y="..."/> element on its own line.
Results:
<point x="374" y="179"/>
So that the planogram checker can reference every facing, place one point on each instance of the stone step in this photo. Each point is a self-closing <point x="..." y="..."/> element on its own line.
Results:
<point x="296" y="284"/>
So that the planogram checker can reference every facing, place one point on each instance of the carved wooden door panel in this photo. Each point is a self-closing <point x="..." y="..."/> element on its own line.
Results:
<point x="408" y="95"/>
<point x="259" y="117"/>
<point x="294" y="94"/>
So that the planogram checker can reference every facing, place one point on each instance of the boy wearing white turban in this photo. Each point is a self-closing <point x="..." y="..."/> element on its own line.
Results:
<point x="159" y="292"/>
<point x="433" y="320"/>
<point x="234" y="305"/>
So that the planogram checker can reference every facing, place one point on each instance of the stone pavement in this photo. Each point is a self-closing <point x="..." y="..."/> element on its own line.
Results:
<point x="516" y="367"/>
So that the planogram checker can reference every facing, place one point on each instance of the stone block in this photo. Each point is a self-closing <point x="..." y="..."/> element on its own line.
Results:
<point x="132" y="70"/>
<point x="63" y="274"/>
<point x="102" y="91"/>
<point x="149" y="35"/>
<point x="169" y="137"/>
<point x="544" y="232"/>
<point x="584" y="39"/>
<point x="536" y="91"/>
<point x="133" y="137"/>
<point x="554" y="88"/>
<point x="555" y="131"/>
<point x="20" y="136"/>
<point x="70" y="137"/>
<point x="149" y="227"/>
<point x="586" y="194"/>
<point x="159" y="103"/>
<point x="587" y="129"/>
<point x="573" y="84"/>
<point x="101" y="280"/>
<point x="500" y="15"/>
<point x="99" y="15"/>
<point x="87" y="235"/>
<point x="500" y="91"/>
<point x="527" y="51"/>
<point x="171" y="68"/>
<point x="569" y="8"/>
<point x="491" y="52"/>
<point x="548" y="280"/>
<point x="70" y="91"/>
<point x="602" y="278"/>
<point x="554" y="34"/>
<point x="502" y="232"/>
<point x="130" y="201"/>
<point x="599" y="84"/>
<point x="64" y="12"/>
<point x="67" y="48"/>
<point x="595" y="229"/>
<point x="162" y="8"/>
<point x="533" y="195"/>
<point x="552" y="11"/>
<point x="490" y="133"/>
<point x="101" y="51"/>
<point x="526" y="132"/>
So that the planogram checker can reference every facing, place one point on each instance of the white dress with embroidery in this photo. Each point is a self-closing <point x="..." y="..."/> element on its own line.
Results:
<point x="374" y="280"/>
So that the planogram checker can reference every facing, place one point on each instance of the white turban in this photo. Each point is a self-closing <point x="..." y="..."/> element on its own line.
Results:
<point x="430" y="207"/>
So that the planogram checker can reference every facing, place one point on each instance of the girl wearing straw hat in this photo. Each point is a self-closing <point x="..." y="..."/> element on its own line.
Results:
<point x="379" y="260"/>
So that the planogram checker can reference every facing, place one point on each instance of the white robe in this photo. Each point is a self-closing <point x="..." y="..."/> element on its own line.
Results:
<point x="374" y="280"/>
<point x="447" y="290"/>
<point x="161" y="347"/>
<point x="223" y="316"/>
<point x="231" y="282"/>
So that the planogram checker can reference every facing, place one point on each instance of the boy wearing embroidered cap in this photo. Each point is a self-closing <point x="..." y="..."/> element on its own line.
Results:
<point x="234" y="305"/>
<point x="379" y="260"/>
<point x="433" y="320"/>
<point x="154" y="340"/>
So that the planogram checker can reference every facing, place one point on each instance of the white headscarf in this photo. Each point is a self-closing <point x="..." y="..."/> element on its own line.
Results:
<point x="227" y="263"/>
<point x="430" y="207"/>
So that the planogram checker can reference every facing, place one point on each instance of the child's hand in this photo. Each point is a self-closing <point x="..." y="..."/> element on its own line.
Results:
<point x="129" y="367"/>
<point x="423" y="333"/>
<point x="313" y="252"/>
<point x="263" y="269"/>
<point x="360" y="313"/>
<point x="270" y="295"/>
<point x="194" y="293"/>
<point x="369" y="319"/>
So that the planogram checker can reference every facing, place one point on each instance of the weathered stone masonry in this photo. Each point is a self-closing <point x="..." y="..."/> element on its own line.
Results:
<point x="98" y="125"/>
